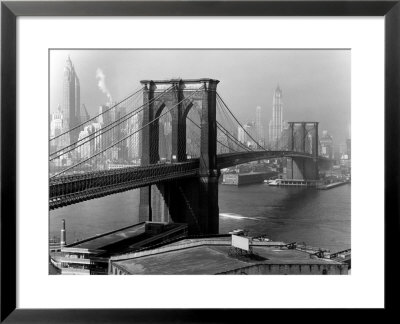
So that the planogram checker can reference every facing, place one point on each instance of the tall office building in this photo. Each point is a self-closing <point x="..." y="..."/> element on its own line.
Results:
<point x="84" y="114"/>
<point x="133" y="140"/>
<point x="85" y="150"/>
<point x="241" y="135"/>
<point x="71" y="100"/>
<point x="259" y="127"/>
<point x="247" y="133"/>
<point x="56" y="127"/>
<point x="92" y="142"/>
<point x="104" y="119"/>
<point x="121" y="132"/>
<point x="276" y="124"/>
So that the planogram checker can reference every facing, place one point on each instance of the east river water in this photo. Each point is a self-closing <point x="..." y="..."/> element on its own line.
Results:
<point x="320" y="218"/>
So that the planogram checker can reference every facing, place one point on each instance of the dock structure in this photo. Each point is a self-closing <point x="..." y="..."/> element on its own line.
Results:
<point x="299" y="183"/>
<point x="318" y="184"/>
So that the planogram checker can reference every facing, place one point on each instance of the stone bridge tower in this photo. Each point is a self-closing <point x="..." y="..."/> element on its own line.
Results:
<point x="194" y="200"/>
<point x="300" y="134"/>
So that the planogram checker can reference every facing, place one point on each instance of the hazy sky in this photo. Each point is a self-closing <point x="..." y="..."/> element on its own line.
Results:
<point x="315" y="83"/>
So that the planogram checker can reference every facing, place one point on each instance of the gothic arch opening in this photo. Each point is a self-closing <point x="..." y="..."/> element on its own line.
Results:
<point x="192" y="115"/>
<point x="164" y="135"/>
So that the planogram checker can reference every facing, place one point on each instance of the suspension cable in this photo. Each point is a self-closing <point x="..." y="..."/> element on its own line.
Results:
<point x="124" y="138"/>
<point x="217" y="138"/>
<point x="104" y="130"/>
<point x="225" y="114"/>
<point x="235" y="141"/>
<point x="232" y="137"/>
<point x="219" y="97"/>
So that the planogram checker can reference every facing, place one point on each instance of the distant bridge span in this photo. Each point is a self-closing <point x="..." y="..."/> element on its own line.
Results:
<point x="230" y="159"/>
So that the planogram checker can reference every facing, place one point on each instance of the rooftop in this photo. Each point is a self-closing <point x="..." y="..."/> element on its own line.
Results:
<point x="101" y="241"/>
<point x="210" y="256"/>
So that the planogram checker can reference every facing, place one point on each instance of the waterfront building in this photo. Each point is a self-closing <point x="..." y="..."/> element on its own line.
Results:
<point x="276" y="123"/>
<point x="71" y="101"/>
<point x="348" y="147"/>
<point x="336" y="154"/>
<point x="239" y="179"/>
<point x="326" y="142"/>
<point x="345" y="165"/>
<point x="345" y="160"/>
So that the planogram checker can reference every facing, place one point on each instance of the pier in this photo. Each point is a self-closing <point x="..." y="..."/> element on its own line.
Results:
<point x="332" y="185"/>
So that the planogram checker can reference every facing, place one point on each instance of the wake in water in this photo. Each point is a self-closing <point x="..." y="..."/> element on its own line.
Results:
<point x="237" y="216"/>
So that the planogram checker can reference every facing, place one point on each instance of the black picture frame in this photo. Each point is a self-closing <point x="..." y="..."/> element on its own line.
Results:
<point x="10" y="10"/>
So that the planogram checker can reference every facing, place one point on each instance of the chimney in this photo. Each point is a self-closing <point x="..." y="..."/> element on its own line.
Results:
<point x="63" y="236"/>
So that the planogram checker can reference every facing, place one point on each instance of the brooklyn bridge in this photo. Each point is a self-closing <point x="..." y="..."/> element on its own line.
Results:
<point x="181" y="186"/>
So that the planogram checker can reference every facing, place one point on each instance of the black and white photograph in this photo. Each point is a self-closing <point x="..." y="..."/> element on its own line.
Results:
<point x="199" y="161"/>
<point x="173" y="141"/>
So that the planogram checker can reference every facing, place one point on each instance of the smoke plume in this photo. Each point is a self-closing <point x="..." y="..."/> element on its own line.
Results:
<point x="101" y="82"/>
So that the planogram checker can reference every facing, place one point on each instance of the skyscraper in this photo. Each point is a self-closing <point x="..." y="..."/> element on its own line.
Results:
<point x="241" y="135"/>
<point x="259" y="127"/>
<point x="84" y="114"/>
<point x="133" y="140"/>
<point x="56" y="127"/>
<point x="276" y="124"/>
<point x="71" y="100"/>
<point x="247" y="133"/>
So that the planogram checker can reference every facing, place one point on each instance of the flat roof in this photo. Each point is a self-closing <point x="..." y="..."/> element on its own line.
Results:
<point x="253" y="173"/>
<point x="212" y="259"/>
<point x="98" y="242"/>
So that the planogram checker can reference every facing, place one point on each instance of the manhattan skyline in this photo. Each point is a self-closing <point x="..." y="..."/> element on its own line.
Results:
<point x="316" y="83"/>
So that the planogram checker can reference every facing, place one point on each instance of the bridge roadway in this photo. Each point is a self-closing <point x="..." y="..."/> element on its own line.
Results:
<point x="71" y="189"/>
